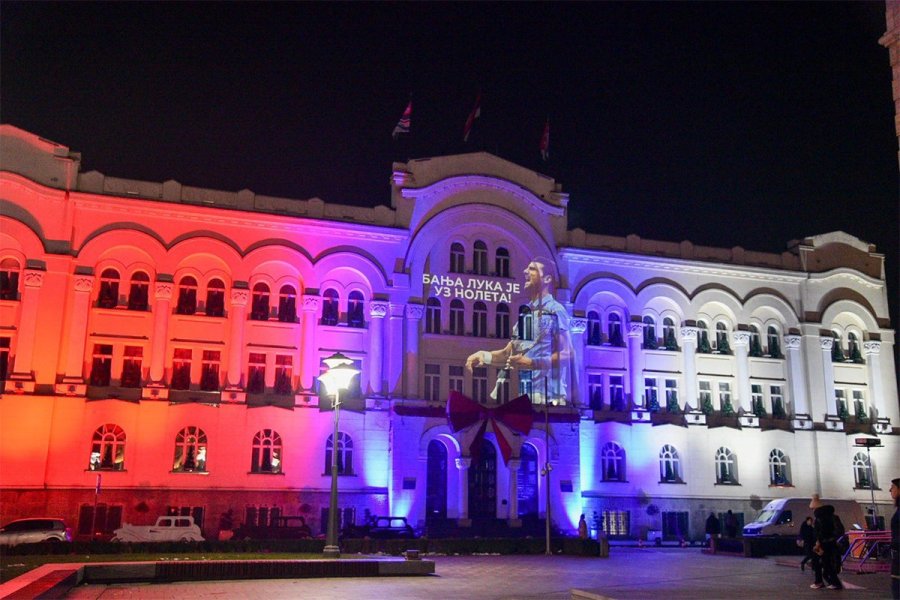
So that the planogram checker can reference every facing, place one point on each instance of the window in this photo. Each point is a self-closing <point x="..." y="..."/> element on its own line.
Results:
<point x="4" y="357"/>
<point x="840" y="402"/>
<point x="432" y="383"/>
<point x="187" y="296"/>
<point x="612" y="460"/>
<point x="433" y="316"/>
<point x="284" y="374"/>
<point x="287" y="304"/>
<point x="131" y="367"/>
<point x="108" y="449"/>
<point x="102" y="519"/>
<point x="456" y="378"/>
<point x="502" y="389"/>
<point x="479" y="319"/>
<point x="616" y="523"/>
<point x="181" y="369"/>
<point x="501" y="263"/>
<point x="215" y="298"/>
<point x="669" y="339"/>
<point x="101" y="366"/>
<point x="501" y="322"/>
<point x="595" y="391"/>
<point x="109" y="289"/>
<point x="209" y="373"/>
<point x="9" y="279"/>
<point x="672" y="396"/>
<point x="863" y="474"/>
<point x="726" y="467"/>
<point x="772" y="341"/>
<point x="649" y="326"/>
<point x="457" y="258"/>
<point x="704" y="395"/>
<point x="779" y="469"/>
<point x="593" y="329"/>
<point x="190" y="451"/>
<point x="837" y="352"/>
<point x="776" y="396"/>
<point x="330" y="310"/>
<point x="675" y="525"/>
<point x="853" y="348"/>
<point x="479" y="384"/>
<point x="140" y="288"/>
<point x="651" y="394"/>
<point x="355" y="303"/>
<point x="725" y="397"/>
<point x="616" y="393"/>
<point x="479" y="258"/>
<point x="859" y="405"/>
<point x="256" y="373"/>
<point x="703" y="338"/>
<point x="757" y="406"/>
<point x="669" y="465"/>
<point x="344" y="454"/>
<point x="457" y="318"/>
<point x="259" y="308"/>
<point x="525" y="324"/>
<point x="614" y="327"/>
<point x="266" y="455"/>
<point x="755" y="349"/>
<point x="722" y="346"/>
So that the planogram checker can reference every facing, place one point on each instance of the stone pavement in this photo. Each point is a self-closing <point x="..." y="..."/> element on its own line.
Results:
<point x="629" y="573"/>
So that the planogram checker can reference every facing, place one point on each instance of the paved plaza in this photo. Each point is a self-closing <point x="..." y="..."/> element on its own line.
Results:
<point x="660" y="573"/>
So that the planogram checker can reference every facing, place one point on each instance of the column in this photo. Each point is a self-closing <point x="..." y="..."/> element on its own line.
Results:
<point x="825" y="343"/>
<point x="238" y="314"/>
<point x="309" y="348"/>
<point x="377" y="313"/>
<point x="394" y="349"/>
<point x="689" y="352"/>
<point x="73" y="373"/>
<point x="872" y="352"/>
<point x="635" y="363"/>
<point x="741" y="342"/>
<point x="462" y="468"/>
<point x="414" y="314"/>
<point x="577" y="397"/>
<point x="22" y="377"/>
<point x="162" y="298"/>
<point x="513" y="501"/>
<point x="794" y="359"/>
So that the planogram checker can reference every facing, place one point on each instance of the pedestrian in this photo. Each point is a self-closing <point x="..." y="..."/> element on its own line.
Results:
<point x="731" y="524"/>
<point x="825" y="550"/>
<point x="895" y="540"/>
<point x="807" y="540"/>
<point x="713" y="528"/>
<point x="582" y="528"/>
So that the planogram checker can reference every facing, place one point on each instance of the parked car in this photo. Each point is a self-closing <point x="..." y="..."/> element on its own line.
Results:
<point x="783" y="517"/>
<point x="389" y="528"/>
<point x="281" y="528"/>
<point x="33" y="531"/>
<point x="166" y="529"/>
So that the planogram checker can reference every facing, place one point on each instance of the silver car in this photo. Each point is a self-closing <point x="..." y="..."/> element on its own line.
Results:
<point x="33" y="531"/>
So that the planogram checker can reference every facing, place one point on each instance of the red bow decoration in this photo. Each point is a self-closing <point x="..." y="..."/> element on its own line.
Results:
<point x="464" y="412"/>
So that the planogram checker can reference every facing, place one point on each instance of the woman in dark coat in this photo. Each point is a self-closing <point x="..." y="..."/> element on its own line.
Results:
<point x="808" y="538"/>
<point x="825" y="559"/>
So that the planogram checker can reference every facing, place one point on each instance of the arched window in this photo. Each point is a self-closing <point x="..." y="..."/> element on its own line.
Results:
<point x="330" y="310"/>
<point x="726" y="466"/>
<point x="355" y="302"/>
<point x="594" y="327"/>
<point x="501" y="322"/>
<point x="140" y="288"/>
<point x="524" y="325"/>
<point x="722" y="345"/>
<point x="669" y="465"/>
<point x="837" y="352"/>
<point x="755" y="342"/>
<point x="479" y="258"/>
<point x="457" y="318"/>
<point x="457" y="258"/>
<point x="853" y="348"/>
<point x="649" y="326"/>
<point x="433" y="316"/>
<point x="863" y="475"/>
<point x="669" y="338"/>
<point x="215" y="298"/>
<point x="344" y="454"/>
<point x="287" y="304"/>
<point x="614" y="330"/>
<point x="773" y="337"/>
<point x="779" y="468"/>
<point x="703" y="338"/>
<point x="501" y="262"/>
<point x="108" y="449"/>
<point x="259" y="309"/>
<point x="9" y="279"/>
<point x="612" y="460"/>
<point x="479" y="319"/>
<point x="187" y="296"/>
<point x="109" y="289"/>
<point x="190" y="451"/>
<point x="266" y="455"/>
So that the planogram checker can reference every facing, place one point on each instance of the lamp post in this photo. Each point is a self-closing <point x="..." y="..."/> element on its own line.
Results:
<point x="869" y="443"/>
<point x="338" y="376"/>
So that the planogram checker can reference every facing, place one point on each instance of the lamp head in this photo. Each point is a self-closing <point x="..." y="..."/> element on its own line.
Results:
<point x="337" y="379"/>
<point x="337" y="359"/>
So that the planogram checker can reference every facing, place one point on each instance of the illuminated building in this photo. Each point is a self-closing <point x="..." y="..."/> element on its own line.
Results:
<point x="169" y="338"/>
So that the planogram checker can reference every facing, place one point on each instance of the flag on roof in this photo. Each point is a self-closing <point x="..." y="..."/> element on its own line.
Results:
<point x="403" y="123"/>
<point x="545" y="141"/>
<point x="476" y="112"/>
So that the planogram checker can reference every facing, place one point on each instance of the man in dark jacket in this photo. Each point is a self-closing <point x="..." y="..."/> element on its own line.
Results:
<point x="713" y="528"/>
<point x="808" y="538"/>
<point x="825" y="560"/>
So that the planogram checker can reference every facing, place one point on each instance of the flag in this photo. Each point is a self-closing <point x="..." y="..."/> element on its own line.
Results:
<point x="476" y="112"/>
<point x="403" y="123"/>
<point x="545" y="141"/>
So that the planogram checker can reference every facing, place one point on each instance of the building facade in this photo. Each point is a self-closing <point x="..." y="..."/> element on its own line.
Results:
<point x="161" y="346"/>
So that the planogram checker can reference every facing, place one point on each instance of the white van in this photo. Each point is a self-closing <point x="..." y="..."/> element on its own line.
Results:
<point x="784" y="517"/>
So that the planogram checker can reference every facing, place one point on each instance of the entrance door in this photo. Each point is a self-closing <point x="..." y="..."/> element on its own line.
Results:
<point x="483" y="484"/>
<point x="436" y="486"/>
<point x="528" y="481"/>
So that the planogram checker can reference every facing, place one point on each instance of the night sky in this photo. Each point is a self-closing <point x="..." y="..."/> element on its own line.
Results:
<point x="726" y="124"/>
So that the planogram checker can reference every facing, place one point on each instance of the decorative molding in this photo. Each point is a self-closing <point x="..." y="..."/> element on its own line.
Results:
<point x="740" y="338"/>
<point x="826" y="343"/>
<point x="378" y="310"/>
<point x="163" y="290"/>
<point x="635" y="329"/>
<point x="792" y="342"/>
<point x="872" y="348"/>
<point x="33" y="279"/>
<point x="689" y="334"/>
<point x="463" y="463"/>
<point x="311" y="303"/>
<point x="578" y="325"/>
<point x="84" y="283"/>
<point x="239" y="297"/>
<point x="415" y="312"/>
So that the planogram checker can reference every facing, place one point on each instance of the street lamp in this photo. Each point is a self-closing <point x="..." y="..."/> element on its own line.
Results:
<point x="869" y="443"/>
<point x="338" y="376"/>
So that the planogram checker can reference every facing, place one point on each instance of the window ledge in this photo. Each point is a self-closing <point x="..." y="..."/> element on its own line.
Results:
<point x="615" y="481"/>
<point x="867" y="488"/>
<point x="673" y="482"/>
<point x="189" y="472"/>
<point x="340" y="475"/>
<point x="264" y="473"/>
<point x="728" y="483"/>
<point x="126" y="470"/>
<point x="781" y="485"/>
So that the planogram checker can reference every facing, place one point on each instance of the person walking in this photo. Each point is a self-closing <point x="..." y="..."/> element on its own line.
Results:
<point x="895" y="540"/>
<point x="807" y="538"/>
<point x="731" y="524"/>
<point x="825" y="550"/>
<point x="713" y="528"/>
<point x="582" y="528"/>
